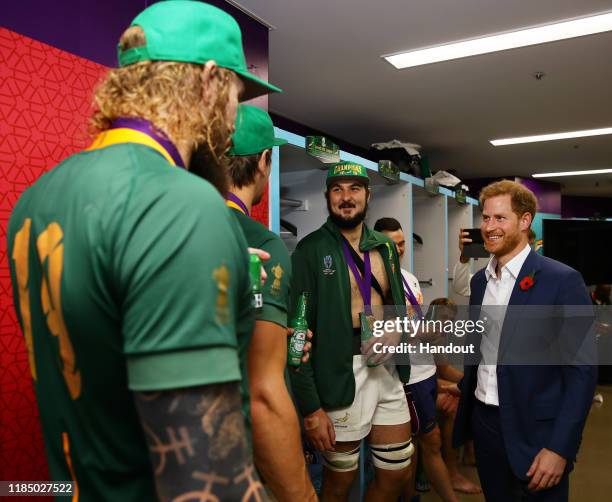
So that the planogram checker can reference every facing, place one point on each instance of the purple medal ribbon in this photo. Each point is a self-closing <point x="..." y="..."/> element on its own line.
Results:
<point x="236" y="200"/>
<point x="364" y="283"/>
<point x="411" y="298"/>
<point x="145" y="127"/>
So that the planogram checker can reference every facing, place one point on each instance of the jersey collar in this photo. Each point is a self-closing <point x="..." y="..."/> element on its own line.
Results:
<point x="140" y="131"/>
<point x="235" y="202"/>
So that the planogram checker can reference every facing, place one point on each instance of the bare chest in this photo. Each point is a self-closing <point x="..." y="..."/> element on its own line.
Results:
<point x="379" y="272"/>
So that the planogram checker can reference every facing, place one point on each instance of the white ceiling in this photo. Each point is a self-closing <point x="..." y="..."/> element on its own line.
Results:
<point x="326" y="55"/>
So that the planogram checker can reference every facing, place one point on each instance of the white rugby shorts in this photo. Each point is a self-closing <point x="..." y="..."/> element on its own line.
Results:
<point x="379" y="400"/>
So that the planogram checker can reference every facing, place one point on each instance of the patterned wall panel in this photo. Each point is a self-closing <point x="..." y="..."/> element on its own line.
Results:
<point x="260" y="211"/>
<point x="45" y="97"/>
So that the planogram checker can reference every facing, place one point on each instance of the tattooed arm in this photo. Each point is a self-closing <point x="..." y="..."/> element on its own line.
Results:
<point x="197" y="442"/>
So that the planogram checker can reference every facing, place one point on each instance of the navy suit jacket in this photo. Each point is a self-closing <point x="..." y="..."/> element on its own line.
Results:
<point x="543" y="406"/>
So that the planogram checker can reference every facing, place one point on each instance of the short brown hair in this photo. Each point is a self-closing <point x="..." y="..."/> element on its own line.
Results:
<point x="523" y="200"/>
<point x="387" y="225"/>
<point x="242" y="168"/>
<point x="445" y="302"/>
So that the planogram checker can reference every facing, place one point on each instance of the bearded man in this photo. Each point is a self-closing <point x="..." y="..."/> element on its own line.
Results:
<point x="526" y="415"/>
<point x="343" y="395"/>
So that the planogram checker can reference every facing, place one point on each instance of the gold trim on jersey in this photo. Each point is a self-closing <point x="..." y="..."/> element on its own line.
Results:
<point x="233" y="205"/>
<point x="124" y="135"/>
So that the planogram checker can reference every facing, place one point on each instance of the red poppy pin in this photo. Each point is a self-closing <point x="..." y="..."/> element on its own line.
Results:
<point x="528" y="281"/>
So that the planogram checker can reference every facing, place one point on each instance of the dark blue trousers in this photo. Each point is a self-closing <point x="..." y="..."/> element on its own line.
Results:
<point x="499" y="483"/>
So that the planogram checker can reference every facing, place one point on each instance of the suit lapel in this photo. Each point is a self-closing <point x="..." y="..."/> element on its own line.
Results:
<point x="519" y="297"/>
<point x="479" y="286"/>
<point x="478" y="290"/>
<point x="531" y="266"/>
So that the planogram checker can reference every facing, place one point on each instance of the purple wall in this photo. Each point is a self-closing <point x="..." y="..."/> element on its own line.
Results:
<point x="85" y="28"/>
<point x="547" y="192"/>
<point x="586" y="207"/>
<point x="91" y="29"/>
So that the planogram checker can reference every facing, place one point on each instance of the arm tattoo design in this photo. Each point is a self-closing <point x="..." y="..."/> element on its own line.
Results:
<point x="198" y="445"/>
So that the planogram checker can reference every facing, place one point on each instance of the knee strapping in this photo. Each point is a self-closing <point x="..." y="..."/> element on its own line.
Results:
<point x="392" y="457"/>
<point x="341" y="461"/>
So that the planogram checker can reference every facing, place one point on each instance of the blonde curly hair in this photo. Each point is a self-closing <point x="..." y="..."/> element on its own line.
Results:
<point x="166" y="93"/>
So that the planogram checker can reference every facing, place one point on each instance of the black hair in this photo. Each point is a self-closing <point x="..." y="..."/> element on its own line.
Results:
<point x="387" y="225"/>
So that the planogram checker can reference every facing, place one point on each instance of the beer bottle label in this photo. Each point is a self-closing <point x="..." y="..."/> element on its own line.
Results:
<point x="298" y="341"/>
<point x="257" y="300"/>
<point x="296" y="347"/>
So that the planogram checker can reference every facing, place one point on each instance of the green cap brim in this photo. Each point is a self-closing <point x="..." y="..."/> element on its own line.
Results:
<point x="360" y="179"/>
<point x="254" y="86"/>
<point x="279" y="142"/>
<point x="242" y="153"/>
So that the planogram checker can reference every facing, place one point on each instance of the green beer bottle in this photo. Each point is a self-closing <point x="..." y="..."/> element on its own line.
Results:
<point x="300" y="329"/>
<point x="255" y="272"/>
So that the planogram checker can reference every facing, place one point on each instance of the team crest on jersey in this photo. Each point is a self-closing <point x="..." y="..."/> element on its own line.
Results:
<point x="221" y="276"/>
<point x="278" y="272"/>
<point x="341" y="422"/>
<point x="327" y="265"/>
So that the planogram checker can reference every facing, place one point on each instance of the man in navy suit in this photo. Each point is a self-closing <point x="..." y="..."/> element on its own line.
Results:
<point x="526" y="419"/>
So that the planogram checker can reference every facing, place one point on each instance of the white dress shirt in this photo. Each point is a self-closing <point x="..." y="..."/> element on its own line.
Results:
<point x="497" y="294"/>
<point x="462" y="276"/>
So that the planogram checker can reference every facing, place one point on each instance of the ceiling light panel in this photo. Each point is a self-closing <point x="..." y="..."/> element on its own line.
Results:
<point x="573" y="173"/>
<point x="551" y="137"/>
<point x="563" y="30"/>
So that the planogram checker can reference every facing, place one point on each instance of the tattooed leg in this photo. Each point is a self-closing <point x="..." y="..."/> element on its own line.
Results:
<point x="198" y="446"/>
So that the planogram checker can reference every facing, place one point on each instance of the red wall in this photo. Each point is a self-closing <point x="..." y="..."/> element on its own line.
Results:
<point x="45" y="97"/>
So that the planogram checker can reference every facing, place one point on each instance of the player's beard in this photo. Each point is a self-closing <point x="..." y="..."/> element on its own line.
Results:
<point x="347" y="223"/>
<point x="510" y="242"/>
<point x="209" y="160"/>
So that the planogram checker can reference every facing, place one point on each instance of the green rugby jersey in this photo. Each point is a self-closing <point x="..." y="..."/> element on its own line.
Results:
<point x="275" y="291"/>
<point x="129" y="274"/>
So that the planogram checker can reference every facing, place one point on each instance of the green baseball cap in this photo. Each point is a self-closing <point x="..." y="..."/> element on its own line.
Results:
<point x="254" y="132"/>
<point x="193" y="32"/>
<point x="345" y="171"/>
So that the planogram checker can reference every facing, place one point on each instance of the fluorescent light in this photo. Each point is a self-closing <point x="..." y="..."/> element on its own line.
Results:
<point x="572" y="173"/>
<point x="551" y="137"/>
<point x="492" y="43"/>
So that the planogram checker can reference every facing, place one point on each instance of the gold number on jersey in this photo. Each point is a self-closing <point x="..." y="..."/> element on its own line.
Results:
<point x="51" y="255"/>
<point x="51" y="252"/>
<point x="21" y="249"/>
